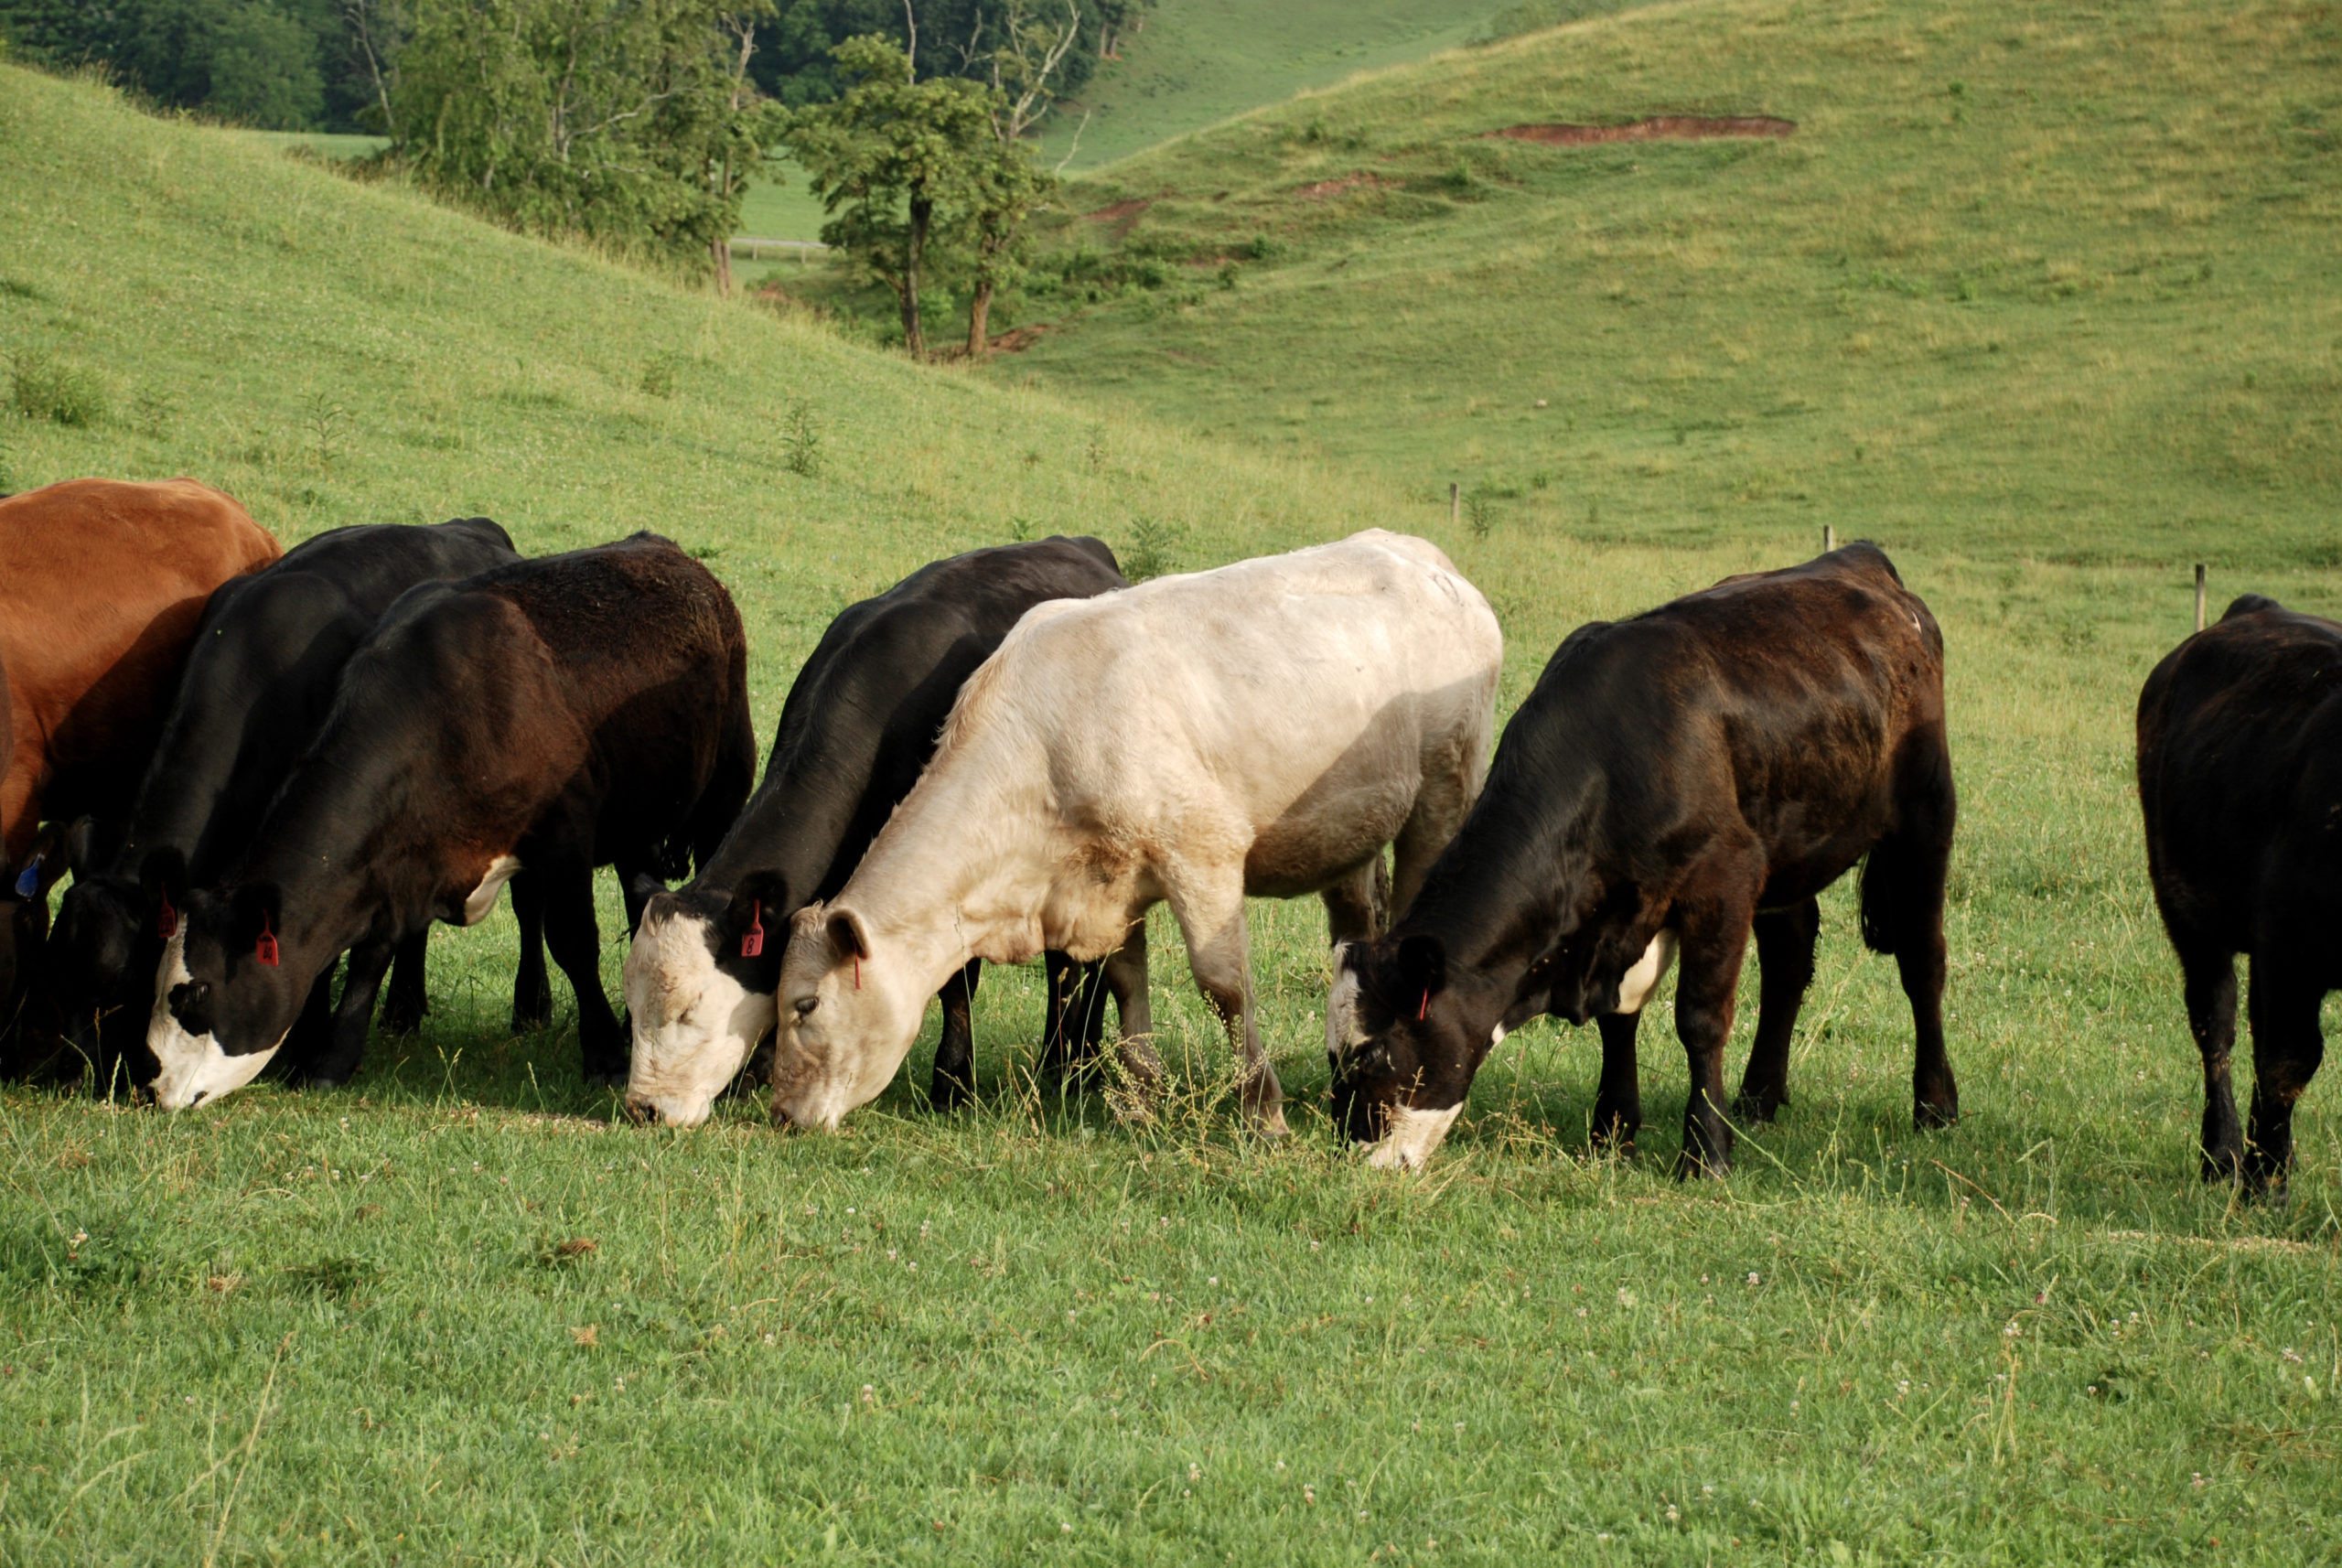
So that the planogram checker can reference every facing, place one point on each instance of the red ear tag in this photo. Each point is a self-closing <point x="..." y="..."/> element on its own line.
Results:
<point x="857" y="972"/>
<point x="166" y="923"/>
<point x="1423" y="1007"/>
<point x="752" y="941"/>
<point x="264" y="949"/>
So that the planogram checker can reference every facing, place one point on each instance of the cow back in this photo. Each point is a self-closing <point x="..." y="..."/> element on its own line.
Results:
<point x="101" y="585"/>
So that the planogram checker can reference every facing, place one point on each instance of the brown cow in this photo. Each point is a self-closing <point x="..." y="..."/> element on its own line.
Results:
<point x="101" y="583"/>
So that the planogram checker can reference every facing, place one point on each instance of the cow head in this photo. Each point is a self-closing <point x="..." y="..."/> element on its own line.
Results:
<point x="221" y="1007"/>
<point x="849" y="1009"/>
<point x="699" y="991"/>
<point x="1404" y="1042"/>
<point x="108" y="933"/>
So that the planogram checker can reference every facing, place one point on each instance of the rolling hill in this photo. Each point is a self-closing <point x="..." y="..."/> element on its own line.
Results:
<point x="2019" y="281"/>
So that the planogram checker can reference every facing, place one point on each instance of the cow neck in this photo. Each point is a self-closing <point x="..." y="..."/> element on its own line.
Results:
<point x="1497" y="897"/>
<point x="962" y="868"/>
<point x="792" y="828"/>
<point x="337" y="866"/>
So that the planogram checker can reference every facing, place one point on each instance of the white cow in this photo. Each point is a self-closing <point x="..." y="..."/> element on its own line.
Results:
<point x="1263" y="729"/>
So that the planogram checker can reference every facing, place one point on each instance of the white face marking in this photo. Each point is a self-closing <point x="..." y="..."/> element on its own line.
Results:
<point x="194" y="1068"/>
<point x="1413" y="1136"/>
<point x="693" y="1025"/>
<point x="1495" y="1037"/>
<point x="483" y="898"/>
<point x="845" y="1051"/>
<point x="1343" y="1032"/>
<point x="1636" y="985"/>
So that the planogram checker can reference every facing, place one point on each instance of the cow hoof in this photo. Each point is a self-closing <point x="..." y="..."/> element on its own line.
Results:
<point x="330" y="1075"/>
<point x="1756" y="1111"/>
<point x="948" y="1095"/>
<point x="606" y="1078"/>
<point x="1932" y="1117"/>
<point x="401" y="1019"/>
<point x="1690" y="1166"/>
<point x="1271" y="1125"/>
<point x="2223" y="1165"/>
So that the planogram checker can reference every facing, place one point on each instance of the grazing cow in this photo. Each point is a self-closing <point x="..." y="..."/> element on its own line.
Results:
<point x="101" y="583"/>
<point x="1674" y="780"/>
<point x="2241" y="783"/>
<point x="555" y="714"/>
<point x="259" y="678"/>
<point x="1264" y="729"/>
<point x="859" y="726"/>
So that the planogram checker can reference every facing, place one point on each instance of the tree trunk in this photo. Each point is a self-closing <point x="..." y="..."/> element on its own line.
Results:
<point x="979" y="320"/>
<point x="922" y="211"/>
<point x="723" y="249"/>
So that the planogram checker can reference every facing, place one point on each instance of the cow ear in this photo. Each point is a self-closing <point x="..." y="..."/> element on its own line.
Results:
<point x="645" y="887"/>
<point x="1423" y="967"/>
<point x="82" y="847"/>
<point x="257" y="908"/>
<point x="163" y="875"/>
<point x="847" y="934"/>
<point x="759" y="895"/>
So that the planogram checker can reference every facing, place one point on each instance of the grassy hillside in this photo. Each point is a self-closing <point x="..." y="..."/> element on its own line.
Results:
<point x="458" y="1313"/>
<point x="2029" y="282"/>
<point x="1193" y="62"/>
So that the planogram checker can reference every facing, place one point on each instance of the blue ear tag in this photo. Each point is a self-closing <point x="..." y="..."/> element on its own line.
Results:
<point x="28" y="882"/>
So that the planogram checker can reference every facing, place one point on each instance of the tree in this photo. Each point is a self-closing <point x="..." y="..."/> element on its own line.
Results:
<point x="894" y="161"/>
<point x="624" y="120"/>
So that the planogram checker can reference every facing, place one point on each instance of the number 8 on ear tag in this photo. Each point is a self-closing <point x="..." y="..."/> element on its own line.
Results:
<point x="752" y="940"/>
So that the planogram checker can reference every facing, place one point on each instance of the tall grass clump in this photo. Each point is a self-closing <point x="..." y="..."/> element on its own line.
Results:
<point x="42" y="387"/>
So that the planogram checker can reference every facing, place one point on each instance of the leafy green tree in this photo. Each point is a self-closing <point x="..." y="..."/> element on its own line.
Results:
<point x="625" y="119"/>
<point x="893" y="161"/>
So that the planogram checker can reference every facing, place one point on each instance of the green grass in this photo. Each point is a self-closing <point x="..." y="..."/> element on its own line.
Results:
<point x="343" y="1326"/>
<point x="2024" y="281"/>
<point x="1195" y="62"/>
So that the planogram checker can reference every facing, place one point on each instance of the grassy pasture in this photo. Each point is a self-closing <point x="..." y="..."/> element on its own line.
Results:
<point x="1194" y="62"/>
<point x="2024" y="281"/>
<point x="365" y="1325"/>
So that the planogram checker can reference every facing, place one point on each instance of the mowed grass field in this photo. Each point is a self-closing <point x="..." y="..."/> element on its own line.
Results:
<point x="461" y="1312"/>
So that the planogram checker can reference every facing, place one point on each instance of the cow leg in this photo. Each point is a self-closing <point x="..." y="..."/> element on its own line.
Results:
<point x="531" y="987"/>
<point x="2287" y="1046"/>
<point x="955" y="1081"/>
<point x="628" y="870"/>
<point x="1618" y="1099"/>
<point x="1124" y="973"/>
<point x="1714" y="942"/>
<point x="1076" y="1023"/>
<point x="575" y="941"/>
<point x="1785" y="939"/>
<point x="352" y="1016"/>
<point x="1359" y="906"/>
<point x="406" y="1001"/>
<point x="1219" y="952"/>
<point x="309" y="1043"/>
<point x="2210" y="990"/>
<point x="1902" y="913"/>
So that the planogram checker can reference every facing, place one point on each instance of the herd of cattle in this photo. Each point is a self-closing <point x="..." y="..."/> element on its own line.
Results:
<point x="258" y="766"/>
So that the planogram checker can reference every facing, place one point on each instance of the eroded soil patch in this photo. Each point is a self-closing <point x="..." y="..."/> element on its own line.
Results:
<point x="1658" y="128"/>
<point x="1328" y="188"/>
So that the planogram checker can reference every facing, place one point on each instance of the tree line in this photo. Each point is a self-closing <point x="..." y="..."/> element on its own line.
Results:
<point x="641" y="123"/>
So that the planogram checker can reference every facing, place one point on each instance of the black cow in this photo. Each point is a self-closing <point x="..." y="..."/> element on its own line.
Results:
<point x="2241" y="783"/>
<point x="857" y="730"/>
<point x="555" y="714"/>
<point x="1675" y="779"/>
<point x="261" y="673"/>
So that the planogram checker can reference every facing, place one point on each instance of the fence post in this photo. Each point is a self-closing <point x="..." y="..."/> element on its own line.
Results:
<point x="2199" y="595"/>
<point x="1454" y="504"/>
<point x="1828" y="539"/>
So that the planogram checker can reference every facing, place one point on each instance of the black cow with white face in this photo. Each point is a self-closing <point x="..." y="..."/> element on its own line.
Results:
<point x="1672" y="782"/>
<point x="2241" y="783"/>
<point x="858" y="728"/>
<point x="261" y="673"/>
<point x="552" y="716"/>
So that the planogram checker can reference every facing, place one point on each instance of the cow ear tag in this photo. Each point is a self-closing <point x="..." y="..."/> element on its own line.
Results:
<point x="857" y="972"/>
<point x="167" y="922"/>
<point x="29" y="881"/>
<point x="752" y="940"/>
<point x="1423" y="1007"/>
<point x="264" y="949"/>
